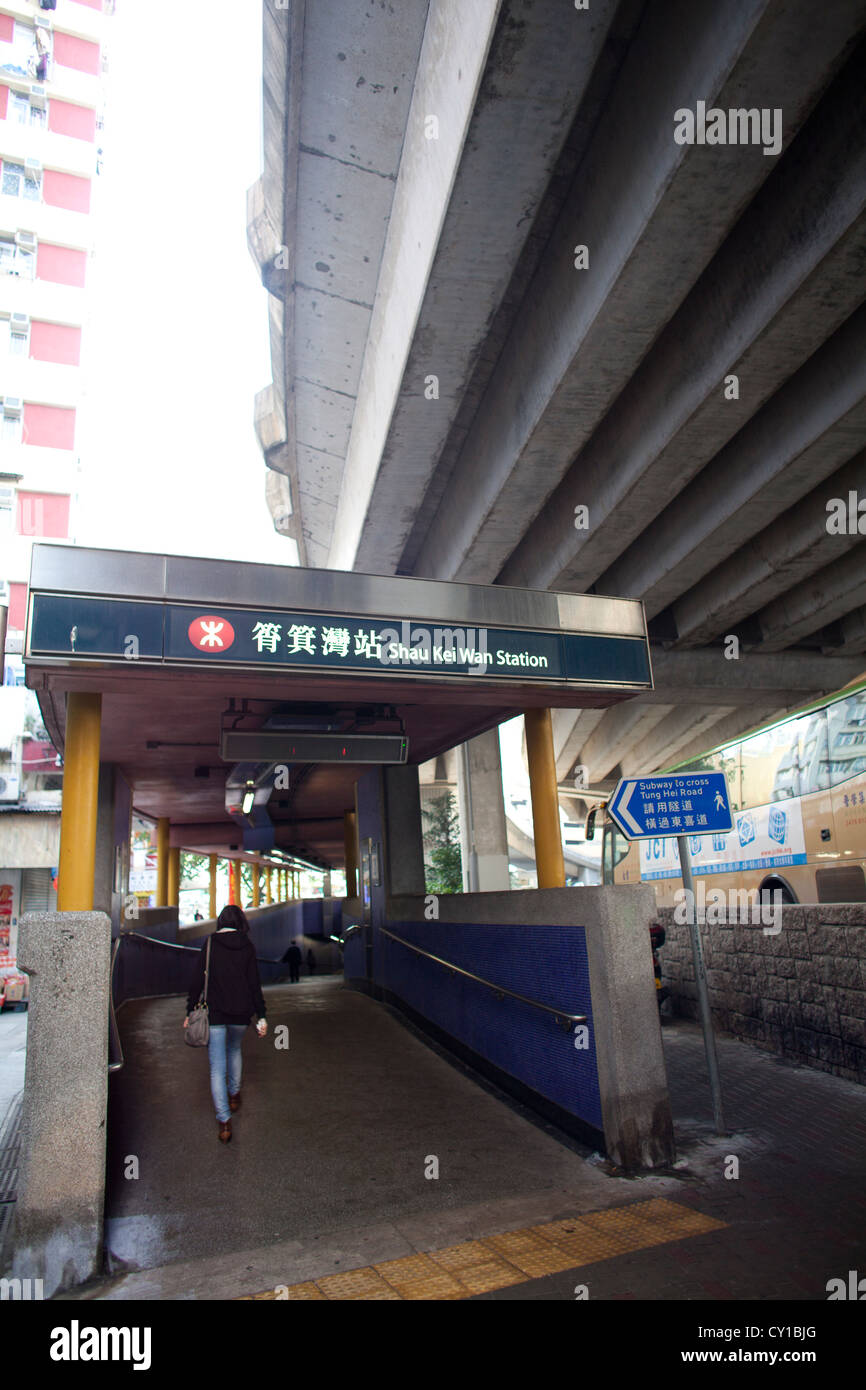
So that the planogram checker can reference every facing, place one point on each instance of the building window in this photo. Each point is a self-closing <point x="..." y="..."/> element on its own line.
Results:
<point x="19" y="339"/>
<point x="16" y="260"/>
<point x="22" y="54"/>
<point x="7" y="510"/>
<point x="10" y="428"/>
<point x="21" y="111"/>
<point x="18" y="183"/>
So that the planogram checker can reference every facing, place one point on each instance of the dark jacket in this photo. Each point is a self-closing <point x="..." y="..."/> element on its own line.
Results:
<point x="234" y="989"/>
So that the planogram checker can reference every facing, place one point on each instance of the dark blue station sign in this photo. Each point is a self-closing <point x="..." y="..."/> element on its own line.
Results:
<point x="173" y="633"/>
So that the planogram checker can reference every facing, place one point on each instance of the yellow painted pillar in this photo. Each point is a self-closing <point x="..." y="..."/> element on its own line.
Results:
<point x="162" y="830"/>
<point x="268" y="893"/>
<point x="257" y="884"/>
<point x="545" y="799"/>
<point x="212" y="887"/>
<point x="233" y="895"/>
<point x="174" y="878"/>
<point x="284" y="885"/>
<point x="350" y="845"/>
<point x="80" y="799"/>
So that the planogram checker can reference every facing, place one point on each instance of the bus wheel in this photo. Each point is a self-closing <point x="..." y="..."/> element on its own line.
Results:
<point x="767" y="891"/>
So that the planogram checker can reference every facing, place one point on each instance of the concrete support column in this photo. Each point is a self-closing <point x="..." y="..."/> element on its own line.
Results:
<point x="57" y="1235"/>
<point x="257" y="884"/>
<point x="545" y="799"/>
<point x="483" y="835"/>
<point x="350" y="845"/>
<point x="162" y="834"/>
<point x="80" y="802"/>
<point x="113" y="830"/>
<point x="404" y="846"/>
<point x="212" y="885"/>
<point x="174" y="877"/>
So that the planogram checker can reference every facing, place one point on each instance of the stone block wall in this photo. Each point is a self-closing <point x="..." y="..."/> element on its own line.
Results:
<point x="800" y="993"/>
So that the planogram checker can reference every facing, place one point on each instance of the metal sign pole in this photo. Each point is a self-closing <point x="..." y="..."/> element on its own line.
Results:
<point x="701" y="982"/>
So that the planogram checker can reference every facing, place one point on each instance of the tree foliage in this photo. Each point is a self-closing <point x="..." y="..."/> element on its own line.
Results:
<point x="443" y="866"/>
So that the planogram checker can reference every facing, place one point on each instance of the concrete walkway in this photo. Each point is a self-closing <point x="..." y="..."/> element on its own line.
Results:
<point x="326" y="1172"/>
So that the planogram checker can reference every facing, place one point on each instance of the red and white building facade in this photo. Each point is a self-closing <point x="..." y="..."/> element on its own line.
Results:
<point x="52" y="87"/>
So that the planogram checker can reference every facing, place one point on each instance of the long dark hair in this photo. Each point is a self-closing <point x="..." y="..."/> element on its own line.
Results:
<point x="234" y="918"/>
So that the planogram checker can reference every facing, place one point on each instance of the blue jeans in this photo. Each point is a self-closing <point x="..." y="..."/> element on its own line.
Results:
<point x="224" y="1052"/>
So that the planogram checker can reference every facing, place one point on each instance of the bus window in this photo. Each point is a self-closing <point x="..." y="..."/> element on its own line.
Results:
<point x="615" y="848"/>
<point x="726" y="760"/>
<point x="847" y="738"/>
<point x="814" y="752"/>
<point x="770" y="767"/>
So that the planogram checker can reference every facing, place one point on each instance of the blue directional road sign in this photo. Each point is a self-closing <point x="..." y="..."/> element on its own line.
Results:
<point x="690" y="803"/>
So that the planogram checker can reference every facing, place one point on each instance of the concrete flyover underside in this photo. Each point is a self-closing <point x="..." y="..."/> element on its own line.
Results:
<point x="465" y="390"/>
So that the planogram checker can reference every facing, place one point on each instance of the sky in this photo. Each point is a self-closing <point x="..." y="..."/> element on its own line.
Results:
<point x="177" y="346"/>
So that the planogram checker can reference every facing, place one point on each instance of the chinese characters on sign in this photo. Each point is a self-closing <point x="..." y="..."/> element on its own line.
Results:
<point x="688" y="804"/>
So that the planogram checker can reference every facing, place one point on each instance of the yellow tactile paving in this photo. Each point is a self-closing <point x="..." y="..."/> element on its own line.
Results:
<point x="481" y="1266"/>
<point x="477" y="1268"/>
<point x="584" y="1244"/>
<point x="417" y="1276"/>
<point x="530" y="1253"/>
<point x="357" y="1284"/>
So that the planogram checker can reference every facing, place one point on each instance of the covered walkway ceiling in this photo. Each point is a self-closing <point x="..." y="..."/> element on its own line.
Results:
<point x="449" y="389"/>
<point x="183" y="650"/>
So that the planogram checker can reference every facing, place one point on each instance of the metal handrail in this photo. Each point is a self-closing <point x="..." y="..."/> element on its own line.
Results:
<point x="356" y="926"/>
<point x="564" y="1019"/>
<point x="114" y="1031"/>
<point x="175" y="946"/>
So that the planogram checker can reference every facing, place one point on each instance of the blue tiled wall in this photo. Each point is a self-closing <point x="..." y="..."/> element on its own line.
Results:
<point x="548" y="964"/>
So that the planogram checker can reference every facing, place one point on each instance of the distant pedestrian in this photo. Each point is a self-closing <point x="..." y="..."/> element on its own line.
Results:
<point x="311" y="962"/>
<point x="293" y="957"/>
<point x="234" y="994"/>
<point x="197" y="916"/>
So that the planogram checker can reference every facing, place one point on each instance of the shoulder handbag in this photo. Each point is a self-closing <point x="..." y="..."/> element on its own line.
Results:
<point x="197" y="1031"/>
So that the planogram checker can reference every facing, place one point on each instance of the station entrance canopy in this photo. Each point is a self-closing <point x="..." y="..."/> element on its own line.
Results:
<point x="203" y="665"/>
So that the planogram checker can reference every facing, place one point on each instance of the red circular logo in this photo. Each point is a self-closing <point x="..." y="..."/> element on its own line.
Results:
<point x="211" y="634"/>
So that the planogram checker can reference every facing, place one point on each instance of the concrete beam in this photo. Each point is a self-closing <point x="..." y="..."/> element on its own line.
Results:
<point x="825" y="597"/>
<point x="450" y="67"/>
<point x="705" y="677"/>
<point x="541" y="60"/>
<point x="765" y="303"/>
<point x="581" y="729"/>
<point x="853" y="633"/>
<point x="617" y="731"/>
<point x="790" y="549"/>
<point x="568" y="356"/>
<point x="684" y="724"/>
<point x="813" y="425"/>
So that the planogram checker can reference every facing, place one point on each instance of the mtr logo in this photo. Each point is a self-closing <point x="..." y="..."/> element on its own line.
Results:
<point x="211" y="634"/>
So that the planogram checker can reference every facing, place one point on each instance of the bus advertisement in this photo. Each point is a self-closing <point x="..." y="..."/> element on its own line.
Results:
<point x="798" y="796"/>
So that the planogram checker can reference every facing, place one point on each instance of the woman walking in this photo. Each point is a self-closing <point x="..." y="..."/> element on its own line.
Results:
<point x="234" y="993"/>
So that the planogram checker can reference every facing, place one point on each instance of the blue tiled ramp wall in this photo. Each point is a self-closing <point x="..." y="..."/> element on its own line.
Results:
<point x="548" y="964"/>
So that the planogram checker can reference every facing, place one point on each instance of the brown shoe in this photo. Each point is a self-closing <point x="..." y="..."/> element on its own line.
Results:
<point x="235" y="1102"/>
<point x="225" y="1130"/>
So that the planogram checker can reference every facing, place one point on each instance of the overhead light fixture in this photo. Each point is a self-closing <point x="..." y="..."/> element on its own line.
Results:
<point x="271" y="746"/>
<point x="249" y="798"/>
